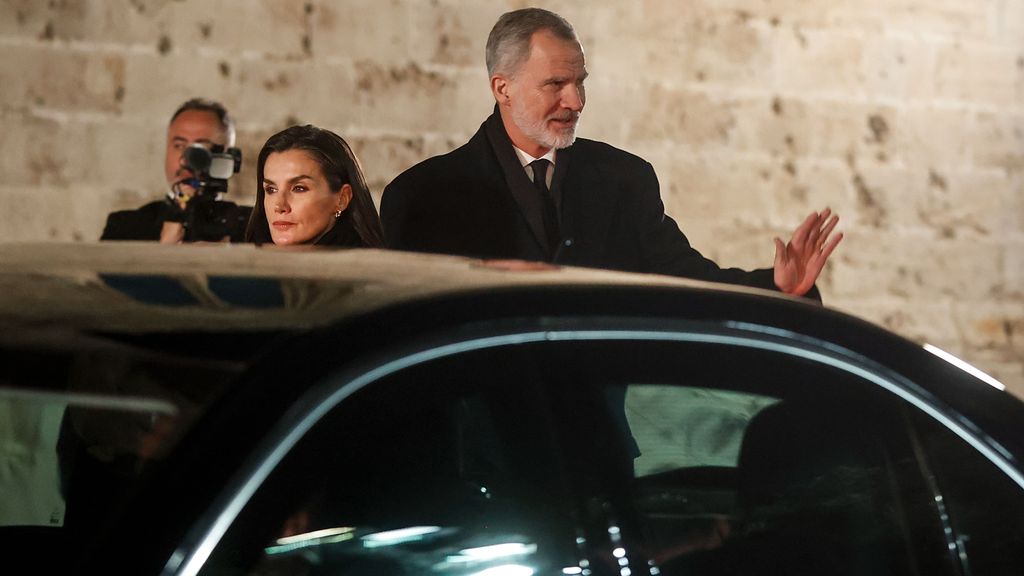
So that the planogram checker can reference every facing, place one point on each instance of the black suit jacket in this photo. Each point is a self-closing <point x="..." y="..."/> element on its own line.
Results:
<point x="477" y="201"/>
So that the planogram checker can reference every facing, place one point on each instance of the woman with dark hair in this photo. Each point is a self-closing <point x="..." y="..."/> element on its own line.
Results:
<point x="310" y="189"/>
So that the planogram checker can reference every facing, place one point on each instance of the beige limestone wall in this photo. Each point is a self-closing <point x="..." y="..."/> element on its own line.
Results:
<point x="906" y="116"/>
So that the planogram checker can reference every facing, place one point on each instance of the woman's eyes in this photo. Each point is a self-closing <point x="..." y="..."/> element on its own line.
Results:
<point x="296" y="188"/>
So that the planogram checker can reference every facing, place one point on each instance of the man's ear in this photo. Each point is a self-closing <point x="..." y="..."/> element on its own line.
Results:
<point x="500" y="89"/>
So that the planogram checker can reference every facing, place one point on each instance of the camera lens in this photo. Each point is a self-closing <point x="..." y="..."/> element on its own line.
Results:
<point x="197" y="158"/>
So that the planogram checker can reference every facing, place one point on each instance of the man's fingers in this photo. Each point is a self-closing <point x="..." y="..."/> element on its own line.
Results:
<point x="780" y="252"/>
<point x="827" y="250"/>
<point x="829" y="227"/>
<point x="804" y="229"/>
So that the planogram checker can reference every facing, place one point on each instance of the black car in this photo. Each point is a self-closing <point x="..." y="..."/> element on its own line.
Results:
<point x="228" y="409"/>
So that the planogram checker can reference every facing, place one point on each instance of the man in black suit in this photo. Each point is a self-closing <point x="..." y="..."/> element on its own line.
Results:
<point x="197" y="121"/>
<point x="497" y="198"/>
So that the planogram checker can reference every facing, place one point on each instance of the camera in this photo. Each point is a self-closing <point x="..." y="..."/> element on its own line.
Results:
<point x="205" y="216"/>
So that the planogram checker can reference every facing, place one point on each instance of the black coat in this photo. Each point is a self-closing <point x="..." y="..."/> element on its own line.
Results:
<point x="145" y="223"/>
<point x="477" y="201"/>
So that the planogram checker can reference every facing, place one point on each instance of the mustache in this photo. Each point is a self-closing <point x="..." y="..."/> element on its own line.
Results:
<point x="565" y="116"/>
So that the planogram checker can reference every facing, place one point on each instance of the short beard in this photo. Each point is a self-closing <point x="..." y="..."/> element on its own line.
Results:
<point x="539" y="132"/>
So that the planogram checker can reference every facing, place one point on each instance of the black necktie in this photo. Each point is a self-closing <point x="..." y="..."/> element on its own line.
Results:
<point x="550" y="214"/>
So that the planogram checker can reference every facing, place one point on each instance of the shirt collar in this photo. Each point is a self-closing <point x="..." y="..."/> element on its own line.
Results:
<point x="525" y="159"/>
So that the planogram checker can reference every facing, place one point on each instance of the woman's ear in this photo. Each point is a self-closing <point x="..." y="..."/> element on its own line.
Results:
<point x="344" y="198"/>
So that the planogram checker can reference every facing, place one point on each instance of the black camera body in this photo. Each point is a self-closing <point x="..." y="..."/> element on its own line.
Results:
<point x="206" y="217"/>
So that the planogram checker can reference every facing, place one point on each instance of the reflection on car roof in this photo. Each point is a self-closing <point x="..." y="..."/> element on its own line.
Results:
<point x="147" y="287"/>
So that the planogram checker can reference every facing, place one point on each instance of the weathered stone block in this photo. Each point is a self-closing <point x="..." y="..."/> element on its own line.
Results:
<point x="922" y="321"/>
<point x="43" y="213"/>
<point x="854" y="132"/>
<point x="364" y="30"/>
<point x="79" y="21"/>
<point x="1011" y="21"/>
<point x="60" y="78"/>
<point x="280" y="29"/>
<point x="157" y="84"/>
<point x="898" y="67"/>
<point x="37" y="151"/>
<point x="282" y="94"/>
<point x="980" y="73"/>
<point x="819" y="62"/>
<point x="717" y="52"/>
<point x="996" y="325"/>
<point x="879" y="199"/>
<point x="411" y="98"/>
<point x="719" y="188"/>
<point x="682" y="116"/>
<point x="959" y="203"/>
<point x="952" y="18"/>
<point x="1013" y="267"/>
<point x="997" y="139"/>
<point x="932" y="136"/>
<point x="889" y="264"/>
<point x="775" y="124"/>
<point x="452" y="32"/>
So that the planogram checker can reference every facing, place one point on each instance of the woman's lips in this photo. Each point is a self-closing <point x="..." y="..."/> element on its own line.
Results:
<point x="282" y="225"/>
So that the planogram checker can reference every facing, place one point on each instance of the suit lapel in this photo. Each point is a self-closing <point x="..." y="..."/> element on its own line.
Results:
<point x="519" y="184"/>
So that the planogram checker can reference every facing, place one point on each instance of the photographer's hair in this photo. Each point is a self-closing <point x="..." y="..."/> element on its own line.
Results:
<point x="508" y="44"/>
<point x="215" y="108"/>
<point x="339" y="165"/>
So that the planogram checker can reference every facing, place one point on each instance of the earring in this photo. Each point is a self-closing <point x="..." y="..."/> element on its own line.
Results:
<point x="337" y="214"/>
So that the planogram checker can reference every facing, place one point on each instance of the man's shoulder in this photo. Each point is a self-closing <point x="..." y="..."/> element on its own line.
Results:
<point x="604" y="153"/>
<point x="152" y="211"/>
<point x="142" y="223"/>
<point x="154" y="207"/>
<point x="453" y="164"/>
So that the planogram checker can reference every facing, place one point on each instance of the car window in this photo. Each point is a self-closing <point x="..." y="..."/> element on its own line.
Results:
<point x="712" y="456"/>
<point x="984" y="508"/>
<point x="446" y="467"/>
<point x="681" y="426"/>
<point x="79" y="426"/>
<point x="752" y="460"/>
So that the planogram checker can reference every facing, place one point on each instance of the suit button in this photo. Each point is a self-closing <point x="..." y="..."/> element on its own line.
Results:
<point x="568" y="242"/>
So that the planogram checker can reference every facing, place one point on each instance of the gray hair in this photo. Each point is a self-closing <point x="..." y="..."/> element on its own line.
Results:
<point x="508" y="44"/>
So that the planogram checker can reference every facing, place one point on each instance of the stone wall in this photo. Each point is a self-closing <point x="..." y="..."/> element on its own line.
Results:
<point x="905" y="116"/>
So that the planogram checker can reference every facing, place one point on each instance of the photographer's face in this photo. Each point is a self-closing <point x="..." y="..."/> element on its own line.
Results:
<point x="190" y="127"/>
<point x="299" y="204"/>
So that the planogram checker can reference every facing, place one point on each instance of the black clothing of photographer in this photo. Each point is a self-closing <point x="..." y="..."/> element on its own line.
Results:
<point x="146" y="222"/>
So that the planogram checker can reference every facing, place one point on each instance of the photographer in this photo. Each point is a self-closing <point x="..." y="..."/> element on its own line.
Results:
<point x="200" y="131"/>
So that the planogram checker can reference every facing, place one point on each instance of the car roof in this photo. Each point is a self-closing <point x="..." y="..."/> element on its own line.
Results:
<point x="141" y="295"/>
<point x="145" y="287"/>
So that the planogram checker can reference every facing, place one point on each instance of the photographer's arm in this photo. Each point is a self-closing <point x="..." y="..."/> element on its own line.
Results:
<point x="173" y="229"/>
<point x="172" y="233"/>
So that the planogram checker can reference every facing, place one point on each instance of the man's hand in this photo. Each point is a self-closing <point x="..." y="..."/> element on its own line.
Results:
<point x="798" y="263"/>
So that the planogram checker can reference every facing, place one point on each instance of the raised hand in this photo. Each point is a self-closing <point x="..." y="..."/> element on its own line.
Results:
<point x="799" y="262"/>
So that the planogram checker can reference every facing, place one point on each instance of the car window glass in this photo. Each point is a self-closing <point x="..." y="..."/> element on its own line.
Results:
<point x="681" y="426"/>
<point x="735" y="460"/>
<point x="748" y="460"/>
<point x="442" y="468"/>
<point x="985" y="507"/>
<point x="77" y="430"/>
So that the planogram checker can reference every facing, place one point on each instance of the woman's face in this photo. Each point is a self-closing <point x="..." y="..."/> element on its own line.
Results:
<point x="300" y="205"/>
